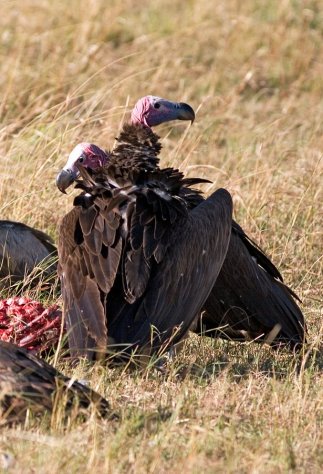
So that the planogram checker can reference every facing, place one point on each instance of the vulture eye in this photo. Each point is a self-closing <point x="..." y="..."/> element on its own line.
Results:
<point x="81" y="159"/>
<point x="156" y="105"/>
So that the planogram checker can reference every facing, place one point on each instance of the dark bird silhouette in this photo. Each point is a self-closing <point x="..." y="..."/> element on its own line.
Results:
<point x="22" y="249"/>
<point x="137" y="256"/>
<point x="29" y="383"/>
<point x="249" y="300"/>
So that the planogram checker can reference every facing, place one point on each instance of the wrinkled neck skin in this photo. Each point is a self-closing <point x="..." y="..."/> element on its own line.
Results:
<point x="139" y="111"/>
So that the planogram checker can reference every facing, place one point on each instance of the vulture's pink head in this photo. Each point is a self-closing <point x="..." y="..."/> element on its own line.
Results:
<point x="87" y="155"/>
<point x="151" y="111"/>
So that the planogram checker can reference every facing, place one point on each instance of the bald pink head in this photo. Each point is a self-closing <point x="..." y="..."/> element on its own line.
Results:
<point x="88" y="155"/>
<point x="84" y="154"/>
<point x="151" y="111"/>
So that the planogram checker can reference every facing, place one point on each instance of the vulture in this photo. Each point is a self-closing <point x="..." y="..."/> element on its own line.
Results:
<point x="249" y="300"/>
<point x="140" y="250"/>
<point x="29" y="383"/>
<point x="23" y="248"/>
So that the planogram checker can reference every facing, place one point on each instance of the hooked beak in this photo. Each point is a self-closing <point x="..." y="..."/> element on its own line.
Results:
<point x="185" y="112"/>
<point x="64" y="179"/>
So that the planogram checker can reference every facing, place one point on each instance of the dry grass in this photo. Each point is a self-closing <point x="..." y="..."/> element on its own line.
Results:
<point x="70" y="71"/>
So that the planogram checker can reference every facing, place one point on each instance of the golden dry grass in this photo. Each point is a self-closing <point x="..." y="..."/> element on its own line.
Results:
<point x="70" y="71"/>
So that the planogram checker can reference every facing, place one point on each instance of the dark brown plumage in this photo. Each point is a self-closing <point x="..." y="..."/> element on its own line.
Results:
<point x="136" y="263"/>
<point x="249" y="300"/>
<point x="23" y="248"/>
<point x="27" y="382"/>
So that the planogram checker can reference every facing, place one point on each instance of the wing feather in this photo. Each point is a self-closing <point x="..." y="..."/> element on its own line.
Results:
<point x="93" y="241"/>
<point x="87" y="219"/>
<point x="137" y="273"/>
<point x="108" y="234"/>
